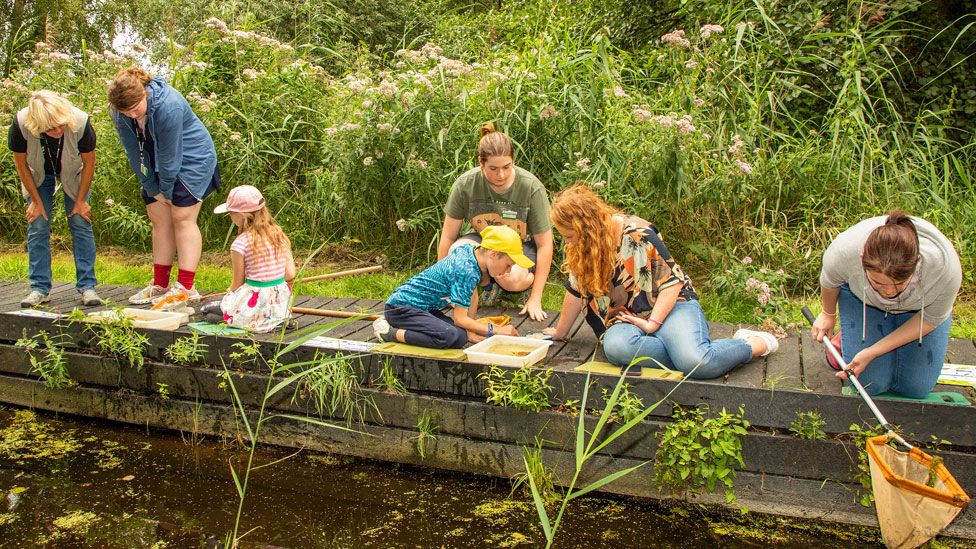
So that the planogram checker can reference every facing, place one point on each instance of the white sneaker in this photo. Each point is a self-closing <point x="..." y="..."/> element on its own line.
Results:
<point x="35" y="298"/>
<point x="176" y="298"/>
<point x="382" y="329"/>
<point x="772" y="344"/>
<point x="89" y="298"/>
<point x="147" y="294"/>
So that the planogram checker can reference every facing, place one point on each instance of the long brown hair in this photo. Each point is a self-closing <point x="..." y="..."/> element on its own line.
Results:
<point x="593" y="254"/>
<point x="265" y="230"/>
<point x="892" y="249"/>
<point x="494" y="143"/>
<point x="128" y="88"/>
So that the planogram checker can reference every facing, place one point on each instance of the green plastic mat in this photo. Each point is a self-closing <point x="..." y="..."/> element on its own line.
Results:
<point x="597" y="367"/>
<point x="215" y="329"/>
<point x="413" y="350"/>
<point x="935" y="397"/>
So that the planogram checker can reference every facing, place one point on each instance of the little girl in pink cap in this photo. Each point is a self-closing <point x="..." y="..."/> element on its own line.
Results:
<point x="259" y="297"/>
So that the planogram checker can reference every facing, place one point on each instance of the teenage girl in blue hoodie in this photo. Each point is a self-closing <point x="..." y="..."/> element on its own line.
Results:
<point x="175" y="161"/>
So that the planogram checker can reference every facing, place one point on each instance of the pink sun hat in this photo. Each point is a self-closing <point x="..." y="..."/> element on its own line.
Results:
<point x="242" y="199"/>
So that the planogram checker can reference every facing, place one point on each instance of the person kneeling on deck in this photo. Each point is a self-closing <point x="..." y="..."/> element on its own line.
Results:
<point x="636" y="296"/>
<point x="893" y="279"/>
<point x="53" y="141"/>
<point x="413" y="313"/>
<point x="259" y="297"/>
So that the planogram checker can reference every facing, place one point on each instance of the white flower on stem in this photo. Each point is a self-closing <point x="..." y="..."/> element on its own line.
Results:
<point x="583" y="164"/>
<point x="368" y="161"/>
<point x="692" y="64"/>
<point x="699" y="102"/>
<point x="744" y="168"/>
<point x="708" y="30"/>
<point x="401" y="224"/>
<point x="234" y="136"/>
<point x="676" y="39"/>
<point x="747" y="260"/>
<point x="109" y="202"/>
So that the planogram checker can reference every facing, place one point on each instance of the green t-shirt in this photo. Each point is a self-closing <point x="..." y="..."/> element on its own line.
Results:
<point x="524" y="207"/>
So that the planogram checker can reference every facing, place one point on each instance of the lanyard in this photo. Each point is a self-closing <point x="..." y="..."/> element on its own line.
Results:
<point x="141" y="138"/>
<point x="54" y="158"/>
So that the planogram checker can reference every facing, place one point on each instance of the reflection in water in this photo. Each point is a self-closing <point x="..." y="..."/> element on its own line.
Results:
<point x="74" y="483"/>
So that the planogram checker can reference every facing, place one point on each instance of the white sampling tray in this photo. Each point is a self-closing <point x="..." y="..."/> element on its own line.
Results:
<point x="503" y="350"/>
<point x="142" y="318"/>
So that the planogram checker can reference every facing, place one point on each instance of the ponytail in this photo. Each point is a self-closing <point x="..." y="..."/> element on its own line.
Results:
<point x="892" y="249"/>
<point x="494" y="143"/>
<point x="128" y="88"/>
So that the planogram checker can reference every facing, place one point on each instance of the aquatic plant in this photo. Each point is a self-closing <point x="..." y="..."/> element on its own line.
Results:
<point x="187" y="350"/>
<point x="587" y="445"/>
<point x="628" y="405"/>
<point x="280" y="377"/>
<point x="388" y="380"/>
<point x="47" y="359"/>
<point x="334" y="389"/>
<point x="526" y="389"/>
<point x="697" y="451"/>
<point x="116" y="335"/>
<point x="543" y="476"/>
<point x="426" y="429"/>
<point x="808" y="425"/>
<point x="862" y="467"/>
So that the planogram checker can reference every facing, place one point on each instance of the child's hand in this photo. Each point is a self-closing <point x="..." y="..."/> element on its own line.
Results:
<point x="508" y="330"/>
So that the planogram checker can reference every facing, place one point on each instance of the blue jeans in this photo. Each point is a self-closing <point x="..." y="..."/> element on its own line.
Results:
<point x="39" y="244"/>
<point x="432" y="329"/>
<point x="681" y="343"/>
<point x="911" y="370"/>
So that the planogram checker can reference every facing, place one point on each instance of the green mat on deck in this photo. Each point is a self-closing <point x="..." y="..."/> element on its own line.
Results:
<point x="413" y="350"/>
<point x="935" y="397"/>
<point x="606" y="368"/>
<point x="215" y="329"/>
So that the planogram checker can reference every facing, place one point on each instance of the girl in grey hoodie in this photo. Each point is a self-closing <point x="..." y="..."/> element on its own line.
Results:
<point x="893" y="280"/>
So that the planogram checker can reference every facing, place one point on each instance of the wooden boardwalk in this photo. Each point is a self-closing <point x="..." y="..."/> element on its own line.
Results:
<point x="798" y="365"/>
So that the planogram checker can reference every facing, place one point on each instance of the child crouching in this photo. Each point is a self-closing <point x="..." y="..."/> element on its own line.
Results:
<point x="259" y="297"/>
<point x="413" y="312"/>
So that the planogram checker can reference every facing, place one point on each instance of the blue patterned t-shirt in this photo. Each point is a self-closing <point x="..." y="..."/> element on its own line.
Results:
<point x="450" y="281"/>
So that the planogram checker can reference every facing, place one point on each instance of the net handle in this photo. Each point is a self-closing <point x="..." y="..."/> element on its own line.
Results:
<point x="889" y="431"/>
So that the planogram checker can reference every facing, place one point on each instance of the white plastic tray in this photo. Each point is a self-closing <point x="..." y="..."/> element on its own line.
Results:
<point x="142" y="318"/>
<point x="485" y="352"/>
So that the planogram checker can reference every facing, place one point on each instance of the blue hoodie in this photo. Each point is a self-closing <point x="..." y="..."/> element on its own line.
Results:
<point x="184" y="149"/>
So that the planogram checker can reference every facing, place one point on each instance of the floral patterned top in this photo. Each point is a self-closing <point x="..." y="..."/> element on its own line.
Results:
<point x="644" y="267"/>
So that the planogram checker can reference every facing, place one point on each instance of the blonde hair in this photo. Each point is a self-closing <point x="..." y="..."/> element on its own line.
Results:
<point x="128" y="88"/>
<point x="494" y="143"/>
<point x="592" y="255"/>
<point x="264" y="230"/>
<point x="47" y="110"/>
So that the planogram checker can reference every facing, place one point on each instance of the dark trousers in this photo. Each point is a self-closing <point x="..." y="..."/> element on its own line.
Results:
<point x="431" y="329"/>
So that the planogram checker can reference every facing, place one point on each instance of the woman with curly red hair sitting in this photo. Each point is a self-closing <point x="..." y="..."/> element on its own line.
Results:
<point x="635" y="296"/>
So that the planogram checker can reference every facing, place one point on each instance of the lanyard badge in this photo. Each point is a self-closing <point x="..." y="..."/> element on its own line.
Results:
<point x="142" y="152"/>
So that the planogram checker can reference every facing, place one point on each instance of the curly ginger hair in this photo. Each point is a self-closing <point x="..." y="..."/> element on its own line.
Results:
<point x="591" y="256"/>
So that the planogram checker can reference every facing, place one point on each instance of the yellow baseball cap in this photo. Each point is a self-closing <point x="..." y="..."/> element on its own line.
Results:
<point x="505" y="240"/>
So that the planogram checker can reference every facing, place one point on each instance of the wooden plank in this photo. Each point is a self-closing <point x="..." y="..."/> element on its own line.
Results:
<point x="750" y="374"/>
<point x="783" y="368"/>
<point x="817" y="375"/>
<point x="961" y="351"/>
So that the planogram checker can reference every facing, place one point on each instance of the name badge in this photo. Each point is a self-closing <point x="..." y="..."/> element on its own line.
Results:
<point x="509" y="214"/>
<point x="145" y="172"/>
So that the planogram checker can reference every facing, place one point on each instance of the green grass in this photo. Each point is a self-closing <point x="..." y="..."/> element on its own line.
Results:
<point x="211" y="277"/>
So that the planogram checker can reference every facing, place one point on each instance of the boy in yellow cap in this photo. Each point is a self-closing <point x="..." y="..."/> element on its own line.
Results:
<point x="413" y="312"/>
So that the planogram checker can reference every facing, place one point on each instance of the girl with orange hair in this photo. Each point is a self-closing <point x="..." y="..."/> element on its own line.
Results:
<point x="635" y="296"/>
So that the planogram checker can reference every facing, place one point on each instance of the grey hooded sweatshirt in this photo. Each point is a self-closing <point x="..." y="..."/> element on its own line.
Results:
<point x="939" y="271"/>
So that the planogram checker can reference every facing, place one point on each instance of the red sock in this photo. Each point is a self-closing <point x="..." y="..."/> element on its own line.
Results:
<point x="161" y="275"/>
<point x="185" y="278"/>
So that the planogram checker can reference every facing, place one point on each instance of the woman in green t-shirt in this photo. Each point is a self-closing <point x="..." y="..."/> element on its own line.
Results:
<point x="499" y="193"/>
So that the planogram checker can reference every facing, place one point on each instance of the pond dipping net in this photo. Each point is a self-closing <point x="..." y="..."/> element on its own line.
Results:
<point x="910" y="511"/>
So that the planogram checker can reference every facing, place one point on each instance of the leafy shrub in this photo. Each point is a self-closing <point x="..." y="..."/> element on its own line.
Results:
<point x="525" y="389"/>
<point x="698" y="452"/>
<point x="808" y="425"/>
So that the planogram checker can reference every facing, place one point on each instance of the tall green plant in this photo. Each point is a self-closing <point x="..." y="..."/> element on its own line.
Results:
<point x="587" y="445"/>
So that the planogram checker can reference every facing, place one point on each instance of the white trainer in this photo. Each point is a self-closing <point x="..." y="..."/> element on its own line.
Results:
<point x="772" y="344"/>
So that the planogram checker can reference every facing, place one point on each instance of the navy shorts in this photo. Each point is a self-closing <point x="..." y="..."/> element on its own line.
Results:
<point x="181" y="195"/>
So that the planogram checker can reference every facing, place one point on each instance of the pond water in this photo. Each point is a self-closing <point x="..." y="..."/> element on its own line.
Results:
<point x="74" y="483"/>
